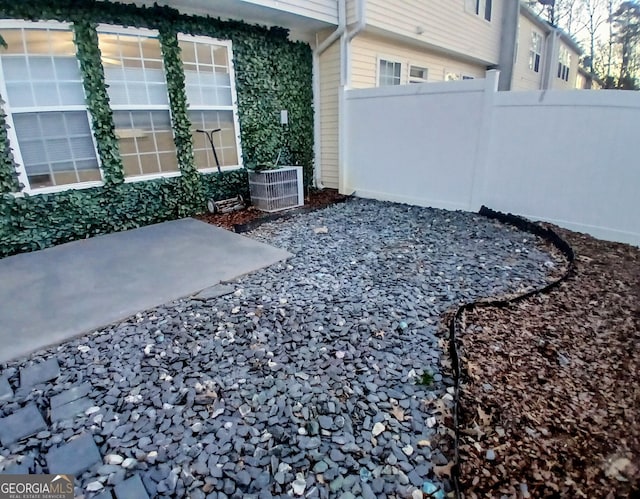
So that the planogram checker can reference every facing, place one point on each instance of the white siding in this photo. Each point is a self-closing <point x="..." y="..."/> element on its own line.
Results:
<point x="445" y="24"/>
<point x="368" y="49"/>
<point x="323" y="10"/>
<point x="329" y="91"/>
<point x="523" y="77"/>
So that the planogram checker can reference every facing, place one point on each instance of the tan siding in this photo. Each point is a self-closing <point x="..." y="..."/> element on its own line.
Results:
<point x="352" y="14"/>
<point x="329" y="88"/>
<point x="523" y="77"/>
<point x="558" y="83"/>
<point x="444" y="23"/>
<point x="367" y="49"/>
<point x="324" y="10"/>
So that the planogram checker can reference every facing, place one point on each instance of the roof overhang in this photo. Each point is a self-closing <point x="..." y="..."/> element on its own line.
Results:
<point x="300" y="26"/>
<point x="548" y="28"/>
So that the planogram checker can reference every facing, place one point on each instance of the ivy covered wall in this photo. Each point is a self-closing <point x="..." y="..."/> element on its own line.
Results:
<point x="272" y="73"/>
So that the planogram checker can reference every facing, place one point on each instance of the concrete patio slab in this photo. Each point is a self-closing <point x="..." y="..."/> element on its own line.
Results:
<point x="55" y="294"/>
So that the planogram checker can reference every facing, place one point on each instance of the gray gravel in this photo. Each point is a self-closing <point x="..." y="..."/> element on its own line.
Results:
<point x="305" y="380"/>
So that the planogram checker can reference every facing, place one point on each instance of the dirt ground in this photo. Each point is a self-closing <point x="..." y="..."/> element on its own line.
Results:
<point x="314" y="199"/>
<point x="550" y="394"/>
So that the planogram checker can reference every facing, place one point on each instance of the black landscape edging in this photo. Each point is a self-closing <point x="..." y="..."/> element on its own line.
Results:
<point x="526" y="226"/>
<point x="254" y="224"/>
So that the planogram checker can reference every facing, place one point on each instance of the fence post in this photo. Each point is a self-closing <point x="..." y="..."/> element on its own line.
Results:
<point x="482" y="159"/>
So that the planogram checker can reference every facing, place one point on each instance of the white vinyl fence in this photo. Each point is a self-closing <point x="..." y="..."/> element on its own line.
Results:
<point x="567" y="157"/>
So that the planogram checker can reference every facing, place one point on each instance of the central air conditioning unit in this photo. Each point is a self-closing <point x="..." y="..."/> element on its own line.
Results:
<point x="276" y="190"/>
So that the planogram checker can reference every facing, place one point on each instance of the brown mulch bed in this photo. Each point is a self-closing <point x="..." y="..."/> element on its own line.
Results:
<point x="550" y="393"/>
<point x="314" y="199"/>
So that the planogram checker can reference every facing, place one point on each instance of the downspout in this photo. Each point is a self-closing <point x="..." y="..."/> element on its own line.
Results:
<point x="508" y="43"/>
<point x="345" y="83"/>
<point x="361" y="23"/>
<point x="317" y="52"/>
<point x="551" y="59"/>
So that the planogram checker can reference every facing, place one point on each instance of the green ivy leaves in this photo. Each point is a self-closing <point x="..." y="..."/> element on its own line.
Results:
<point x="95" y="89"/>
<point x="192" y="188"/>
<point x="8" y="175"/>
<point x="30" y="223"/>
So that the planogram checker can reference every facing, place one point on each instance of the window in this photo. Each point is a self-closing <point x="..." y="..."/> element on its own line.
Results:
<point x="480" y="8"/>
<point x="417" y="74"/>
<point x="564" y="63"/>
<point x="210" y="89"/>
<point x="134" y="73"/>
<point x="389" y="73"/>
<point x="45" y="106"/>
<point x="535" y="51"/>
<point x="487" y="9"/>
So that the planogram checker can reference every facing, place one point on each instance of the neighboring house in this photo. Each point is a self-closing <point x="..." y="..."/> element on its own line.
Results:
<point x="546" y="57"/>
<point x="396" y="42"/>
<point x="587" y="80"/>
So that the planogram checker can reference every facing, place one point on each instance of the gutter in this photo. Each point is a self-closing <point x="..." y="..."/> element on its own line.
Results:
<point x="317" y="52"/>
<point x="345" y="83"/>
<point x="550" y="60"/>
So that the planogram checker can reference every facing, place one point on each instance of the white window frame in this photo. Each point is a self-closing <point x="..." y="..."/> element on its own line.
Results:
<point x="11" y="132"/>
<point x="478" y="8"/>
<point x="113" y="29"/>
<point x="534" y="52"/>
<point x="392" y="60"/>
<point x="234" y="97"/>
<point x="564" y="63"/>
<point x="416" y="79"/>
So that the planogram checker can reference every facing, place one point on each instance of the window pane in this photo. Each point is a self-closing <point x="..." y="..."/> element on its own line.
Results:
<point x="45" y="95"/>
<point x="224" y="140"/>
<point x="41" y="69"/>
<point x="188" y="53"/>
<point x="150" y="48"/>
<point x="16" y="68"/>
<point x="396" y="70"/>
<point x="14" y="40"/>
<point x="390" y="73"/>
<point x="133" y="70"/>
<point x="204" y="55"/>
<point x="220" y="57"/>
<point x="47" y="41"/>
<point x="20" y="94"/>
<point x="55" y="145"/>
<point x="207" y="78"/>
<point x="146" y="142"/>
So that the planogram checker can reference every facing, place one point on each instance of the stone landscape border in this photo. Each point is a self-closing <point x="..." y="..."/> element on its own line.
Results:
<point x="454" y="322"/>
